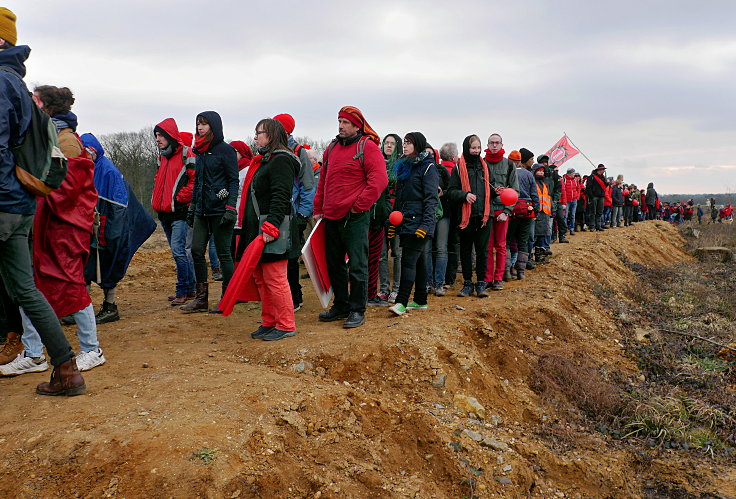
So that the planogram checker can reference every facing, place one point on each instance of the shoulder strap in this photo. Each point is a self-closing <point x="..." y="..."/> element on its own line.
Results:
<point x="327" y="158"/>
<point x="11" y="71"/>
<point x="360" y="155"/>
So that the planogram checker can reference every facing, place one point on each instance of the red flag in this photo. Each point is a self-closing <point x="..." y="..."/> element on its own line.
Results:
<point x="561" y="152"/>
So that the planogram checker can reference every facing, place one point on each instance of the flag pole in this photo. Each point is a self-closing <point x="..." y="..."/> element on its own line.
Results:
<point x="581" y="152"/>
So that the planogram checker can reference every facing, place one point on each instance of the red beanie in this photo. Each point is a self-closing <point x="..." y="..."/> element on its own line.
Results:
<point x="287" y="120"/>
<point x="186" y="138"/>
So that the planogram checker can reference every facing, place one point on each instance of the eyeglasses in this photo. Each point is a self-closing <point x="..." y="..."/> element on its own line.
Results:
<point x="494" y="143"/>
<point x="258" y="132"/>
<point x="408" y="142"/>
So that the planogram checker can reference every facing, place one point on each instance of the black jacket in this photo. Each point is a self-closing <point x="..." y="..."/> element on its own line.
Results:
<point x="593" y="188"/>
<point x="617" y="195"/>
<point x="416" y="195"/>
<point x="272" y="184"/>
<point x="444" y="183"/>
<point x="216" y="178"/>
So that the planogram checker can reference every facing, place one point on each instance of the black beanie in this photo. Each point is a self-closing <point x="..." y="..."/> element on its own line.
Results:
<point x="419" y="141"/>
<point x="526" y="154"/>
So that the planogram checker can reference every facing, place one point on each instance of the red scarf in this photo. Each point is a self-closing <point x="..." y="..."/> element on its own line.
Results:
<point x="465" y="185"/>
<point x="494" y="157"/>
<point x="242" y="163"/>
<point x="202" y="142"/>
<point x="600" y="182"/>
<point x="255" y="163"/>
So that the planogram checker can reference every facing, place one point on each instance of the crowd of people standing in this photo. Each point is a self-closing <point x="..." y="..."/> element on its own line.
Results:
<point x="401" y="219"/>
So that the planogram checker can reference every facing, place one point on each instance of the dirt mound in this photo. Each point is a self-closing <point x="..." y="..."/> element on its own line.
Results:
<point x="190" y="406"/>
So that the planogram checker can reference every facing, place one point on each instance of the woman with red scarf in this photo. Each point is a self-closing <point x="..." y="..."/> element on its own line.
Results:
<point x="268" y="211"/>
<point x="212" y="210"/>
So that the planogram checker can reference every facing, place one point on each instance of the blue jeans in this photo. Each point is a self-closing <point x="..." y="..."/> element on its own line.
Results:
<point x="178" y="234"/>
<point x="214" y="261"/>
<point x="571" y="207"/>
<point x="437" y="267"/>
<point x="86" y="332"/>
<point x="607" y="215"/>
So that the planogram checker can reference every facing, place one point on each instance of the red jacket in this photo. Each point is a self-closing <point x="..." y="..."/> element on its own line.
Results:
<point x="608" y="196"/>
<point x="570" y="188"/>
<point x="346" y="184"/>
<point x="174" y="181"/>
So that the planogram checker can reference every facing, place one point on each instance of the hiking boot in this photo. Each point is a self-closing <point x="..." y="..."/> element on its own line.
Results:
<point x="530" y="265"/>
<point x="108" y="313"/>
<point x="277" y="334"/>
<point x="430" y="289"/>
<point x="201" y="300"/>
<point x="412" y="305"/>
<point x="91" y="359"/>
<point x="179" y="300"/>
<point x="547" y="251"/>
<point x="216" y="274"/>
<point x="261" y="332"/>
<point x="398" y="309"/>
<point x="467" y="290"/>
<point x="332" y="315"/>
<point x="481" y="289"/>
<point x="563" y="239"/>
<point x="377" y="301"/>
<point x="65" y="380"/>
<point x="439" y="291"/>
<point x="22" y="365"/>
<point x="354" y="319"/>
<point x="188" y="296"/>
<point x="10" y="348"/>
<point x="507" y="275"/>
<point x="497" y="285"/>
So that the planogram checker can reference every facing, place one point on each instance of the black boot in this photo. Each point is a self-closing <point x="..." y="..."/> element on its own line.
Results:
<point x="108" y="313"/>
<point x="481" y="289"/>
<point x="467" y="290"/>
<point x="521" y="265"/>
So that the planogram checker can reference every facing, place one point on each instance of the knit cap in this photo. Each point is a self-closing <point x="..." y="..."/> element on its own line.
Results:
<point x="7" y="26"/>
<point x="515" y="156"/>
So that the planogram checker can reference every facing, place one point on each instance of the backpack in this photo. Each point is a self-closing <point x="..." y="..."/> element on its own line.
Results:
<point x="39" y="163"/>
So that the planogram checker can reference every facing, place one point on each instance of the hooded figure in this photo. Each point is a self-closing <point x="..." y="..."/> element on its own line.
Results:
<point x="121" y="226"/>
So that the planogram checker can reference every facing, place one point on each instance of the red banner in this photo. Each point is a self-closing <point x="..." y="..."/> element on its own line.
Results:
<point x="561" y="152"/>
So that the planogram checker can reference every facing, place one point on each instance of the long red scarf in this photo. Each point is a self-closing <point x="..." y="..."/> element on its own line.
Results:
<point x="465" y="185"/>
<point x="600" y="182"/>
<point x="255" y="164"/>
<point x="494" y="157"/>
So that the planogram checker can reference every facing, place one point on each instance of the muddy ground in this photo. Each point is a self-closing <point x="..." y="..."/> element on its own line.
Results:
<point x="191" y="406"/>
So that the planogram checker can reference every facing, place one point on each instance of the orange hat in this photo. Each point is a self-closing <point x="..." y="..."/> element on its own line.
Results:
<point x="515" y="156"/>
<point x="8" y="31"/>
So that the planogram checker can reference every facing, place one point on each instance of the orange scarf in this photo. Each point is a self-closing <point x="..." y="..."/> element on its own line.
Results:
<point x="465" y="185"/>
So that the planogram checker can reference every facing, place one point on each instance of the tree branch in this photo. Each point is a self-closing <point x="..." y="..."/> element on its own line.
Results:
<point x="691" y="335"/>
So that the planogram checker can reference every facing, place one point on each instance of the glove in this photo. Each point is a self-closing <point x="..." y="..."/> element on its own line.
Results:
<point x="230" y="217"/>
<point x="222" y="194"/>
<point x="420" y="233"/>
<point x="391" y="231"/>
<point x="190" y="218"/>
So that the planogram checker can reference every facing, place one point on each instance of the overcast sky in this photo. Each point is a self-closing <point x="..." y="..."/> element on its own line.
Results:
<point x="645" y="87"/>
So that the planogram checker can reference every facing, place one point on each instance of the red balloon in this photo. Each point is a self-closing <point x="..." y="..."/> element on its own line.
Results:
<point x="626" y="192"/>
<point x="509" y="196"/>
<point x="396" y="217"/>
<point x="635" y="202"/>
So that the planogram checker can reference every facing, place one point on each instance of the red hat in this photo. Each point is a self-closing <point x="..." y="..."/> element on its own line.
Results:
<point x="287" y="120"/>
<point x="355" y="116"/>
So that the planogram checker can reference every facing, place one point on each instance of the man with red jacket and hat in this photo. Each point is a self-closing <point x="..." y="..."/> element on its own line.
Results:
<point x="172" y="193"/>
<point x="352" y="179"/>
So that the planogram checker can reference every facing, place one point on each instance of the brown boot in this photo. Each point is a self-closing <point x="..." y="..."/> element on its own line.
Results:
<point x="521" y="265"/>
<point x="201" y="300"/>
<point x="65" y="380"/>
<point x="179" y="300"/>
<point x="10" y="348"/>
<point x="187" y="297"/>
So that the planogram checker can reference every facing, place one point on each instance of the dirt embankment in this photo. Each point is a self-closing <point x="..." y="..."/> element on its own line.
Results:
<point x="191" y="406"/>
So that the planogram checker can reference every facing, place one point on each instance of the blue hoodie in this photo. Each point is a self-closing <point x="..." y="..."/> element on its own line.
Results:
<point x="15" y="116"/>
<point x="108" y="179"/>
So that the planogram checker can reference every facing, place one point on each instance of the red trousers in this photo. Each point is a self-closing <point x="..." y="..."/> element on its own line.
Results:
<point x="277" y="309"/>
<point x="497" y="242"/>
